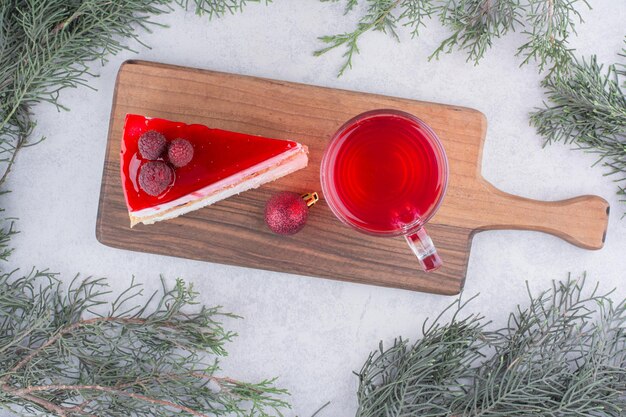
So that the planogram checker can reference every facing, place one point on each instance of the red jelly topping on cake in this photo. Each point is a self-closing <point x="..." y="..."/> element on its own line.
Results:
<point x="217" y="154"/>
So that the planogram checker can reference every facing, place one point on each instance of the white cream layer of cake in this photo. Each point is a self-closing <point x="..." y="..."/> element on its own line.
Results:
<point x="253" y="177"/>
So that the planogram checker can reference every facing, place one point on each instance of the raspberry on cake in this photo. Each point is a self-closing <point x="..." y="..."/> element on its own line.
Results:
<point x="180" y="152"/>
<point x="155" y="177"/>
<point x="152" y="144"/>
<point x="195" y="166"/>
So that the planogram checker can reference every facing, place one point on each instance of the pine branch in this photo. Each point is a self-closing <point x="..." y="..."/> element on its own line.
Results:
<point x="216" y="8"/>
<point x="26" y="393"/>
<point x="422" y="379"/>
<point x="556" y="357"/>
<point x="587" y="108"/>
<point x="7" y="230"/>
<point x="474" y="25"/>
<point x="415" y="13"/>
<point x="551" y="22"/>
<point x="563" y="355"/>
<point x="378" y="17"/>
<point x="125" y="359"/>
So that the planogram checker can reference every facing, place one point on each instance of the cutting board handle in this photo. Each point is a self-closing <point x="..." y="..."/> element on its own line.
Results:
<point x="581" y="220"/>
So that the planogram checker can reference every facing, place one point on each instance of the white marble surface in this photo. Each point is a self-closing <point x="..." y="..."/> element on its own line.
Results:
<point x="310" y="332"/>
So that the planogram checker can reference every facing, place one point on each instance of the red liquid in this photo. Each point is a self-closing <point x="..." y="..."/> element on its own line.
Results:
<point x="217" y="154"/>
<point x="386" y="174"/>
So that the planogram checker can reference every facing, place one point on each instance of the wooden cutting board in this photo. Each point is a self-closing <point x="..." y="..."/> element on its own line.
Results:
<point x="233" y="231"/>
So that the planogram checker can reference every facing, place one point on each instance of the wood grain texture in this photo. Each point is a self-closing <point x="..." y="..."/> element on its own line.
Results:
<point x="232" y="231"/>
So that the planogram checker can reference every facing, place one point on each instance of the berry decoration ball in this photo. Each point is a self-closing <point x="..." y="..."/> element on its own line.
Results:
<point x="286" y="213"/>
<point x="180" y="152"/>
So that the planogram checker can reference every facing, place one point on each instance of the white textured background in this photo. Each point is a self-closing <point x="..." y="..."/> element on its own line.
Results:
<point x="310" y="332"/>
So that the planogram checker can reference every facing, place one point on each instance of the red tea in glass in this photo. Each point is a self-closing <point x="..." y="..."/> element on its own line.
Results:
<point x="385" y="173"/>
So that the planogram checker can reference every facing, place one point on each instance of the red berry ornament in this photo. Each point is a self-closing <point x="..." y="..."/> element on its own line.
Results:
<point x="155" y="177"/>
<point x="152" y="144"/>
<point x="180" y="152"/>
<point x="286" y="213"/>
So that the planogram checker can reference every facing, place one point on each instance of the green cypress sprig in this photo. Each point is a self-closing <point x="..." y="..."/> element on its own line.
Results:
<point x="563" y="355"/>
<point x="415" y="13"/>
<point x="422" y="379"/>
<point x="550" y="23"/>
<point x="72" y="353"/>
<point x="7" y="230"/>
<point x="474" y="24"/>
<point x="586" y="107"/>
<point x="378" y="17"/>
<point x="216" y="8"/>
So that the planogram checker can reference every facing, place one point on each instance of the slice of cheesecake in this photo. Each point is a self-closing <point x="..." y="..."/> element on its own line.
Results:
<point x="171" y="168"/>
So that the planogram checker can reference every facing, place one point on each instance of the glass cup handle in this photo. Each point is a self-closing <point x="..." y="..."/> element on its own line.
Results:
<point x="422" y="246"/>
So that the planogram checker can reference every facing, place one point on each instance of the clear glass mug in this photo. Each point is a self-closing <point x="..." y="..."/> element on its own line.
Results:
<point x="385" y="173"/>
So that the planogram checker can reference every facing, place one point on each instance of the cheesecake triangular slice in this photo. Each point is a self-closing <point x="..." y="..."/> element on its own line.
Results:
<point x="222" y="164"/>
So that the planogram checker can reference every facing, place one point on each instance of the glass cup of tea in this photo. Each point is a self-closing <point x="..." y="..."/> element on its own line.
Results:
<point x="385" y="173"/>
